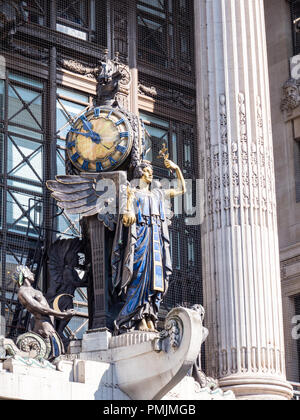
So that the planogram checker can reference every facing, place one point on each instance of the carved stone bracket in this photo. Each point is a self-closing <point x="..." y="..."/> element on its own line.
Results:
<point x="290" y="95"/>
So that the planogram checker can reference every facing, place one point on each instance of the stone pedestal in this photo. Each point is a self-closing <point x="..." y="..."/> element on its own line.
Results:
<point x="98" y="294"/>
<point x="98" y="233"/>
<point x="137" y="365"/>
<point x="245" y="348"/>
<point x="95" y="345"/>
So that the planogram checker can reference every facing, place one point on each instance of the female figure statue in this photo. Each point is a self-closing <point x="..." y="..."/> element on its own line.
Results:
<point x="146" y="263"/>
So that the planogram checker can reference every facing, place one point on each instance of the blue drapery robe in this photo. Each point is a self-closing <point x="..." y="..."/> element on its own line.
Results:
<point x="143" y="270"/>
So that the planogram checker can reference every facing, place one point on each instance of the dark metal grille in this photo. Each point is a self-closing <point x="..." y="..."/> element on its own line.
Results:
<point x="165" y="34"/>
<point x="84" y="19"/>
<point x="36" y="11"/>
<point x="119" y="10"/>
<point x="22" y="236"/>
<point x="295" y="13"/>
<point x="29" y="220"/>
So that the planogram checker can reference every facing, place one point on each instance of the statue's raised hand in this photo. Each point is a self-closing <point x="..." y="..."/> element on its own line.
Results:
<point x="170" y="165"/>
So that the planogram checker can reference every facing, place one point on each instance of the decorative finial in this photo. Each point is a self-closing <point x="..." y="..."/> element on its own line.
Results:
<point x="163" y="153"/>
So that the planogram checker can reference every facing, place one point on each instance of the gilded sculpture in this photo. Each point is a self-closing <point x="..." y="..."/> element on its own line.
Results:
<point x="146" y="266"/>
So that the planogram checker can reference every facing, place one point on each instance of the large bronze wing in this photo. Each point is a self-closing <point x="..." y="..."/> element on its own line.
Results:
<point x="76" y="194"/>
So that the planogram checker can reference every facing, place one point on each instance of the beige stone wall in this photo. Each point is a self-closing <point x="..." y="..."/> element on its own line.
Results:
<point x="279" y="41"/>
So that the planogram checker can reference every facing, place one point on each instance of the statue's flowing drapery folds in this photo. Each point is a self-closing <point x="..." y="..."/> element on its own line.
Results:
<point x="142" y="263"/>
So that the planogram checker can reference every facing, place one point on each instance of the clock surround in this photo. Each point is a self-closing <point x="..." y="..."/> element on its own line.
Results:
<point x="100" y="140"/>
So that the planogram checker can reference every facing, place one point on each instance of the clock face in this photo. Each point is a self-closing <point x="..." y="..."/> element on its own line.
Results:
<point x="100" y="140"/>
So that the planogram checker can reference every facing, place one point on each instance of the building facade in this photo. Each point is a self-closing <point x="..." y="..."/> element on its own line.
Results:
<point x="50" y="77"/>
<point x="208" y="78"/>
<point x="283" y="49"/>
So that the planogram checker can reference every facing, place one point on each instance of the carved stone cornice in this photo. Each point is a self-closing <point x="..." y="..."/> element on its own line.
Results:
<point x="92" y="71"/>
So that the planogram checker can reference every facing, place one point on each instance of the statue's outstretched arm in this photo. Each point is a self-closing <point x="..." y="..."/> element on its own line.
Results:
<point x="181" y="188"/>
<point x="35" y="307"/>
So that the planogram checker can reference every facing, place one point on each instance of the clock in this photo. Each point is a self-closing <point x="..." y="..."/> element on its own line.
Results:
<point x="100" y="140"/>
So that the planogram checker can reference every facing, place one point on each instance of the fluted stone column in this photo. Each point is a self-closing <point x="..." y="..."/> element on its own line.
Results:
<point x="245" y="348"/>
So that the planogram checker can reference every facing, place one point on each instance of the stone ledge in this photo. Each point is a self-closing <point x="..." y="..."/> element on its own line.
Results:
<point x="132" y="338"/>
<point x="96" y="341"/>
<point x="92" y="381"/>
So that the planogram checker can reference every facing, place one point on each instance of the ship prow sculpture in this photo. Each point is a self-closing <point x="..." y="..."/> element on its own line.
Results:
<point x="149" y="365"/>
<point x="125" y="220"/>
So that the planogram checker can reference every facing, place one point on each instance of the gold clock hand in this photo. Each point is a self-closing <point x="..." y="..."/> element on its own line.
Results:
<point x="108" y="148"/>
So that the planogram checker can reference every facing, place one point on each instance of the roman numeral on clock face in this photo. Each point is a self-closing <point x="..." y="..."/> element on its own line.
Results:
<point x="120" y="122"/>
<point x="75" y="157"/>
<point x="125" y="134"/>
<point x="110" y="114"/>
<point x="99" y="167"/>
<point x="85" y="165"/>
<point x="121" y="149"/>
<point x="112" y="161"/>
<point x="71" y="144"/>
<point x="97" y="112"/>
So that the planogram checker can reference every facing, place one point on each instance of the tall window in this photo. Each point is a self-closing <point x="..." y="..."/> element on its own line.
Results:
<point x="36" y="11"/>
<point x="295" y="12"/>
<point x="165" y="33"/>
<point x="83" y="19"/>
<point x="22" y="148"/>
<point x="69" y="105"/>
<point x="22" y="154"/>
